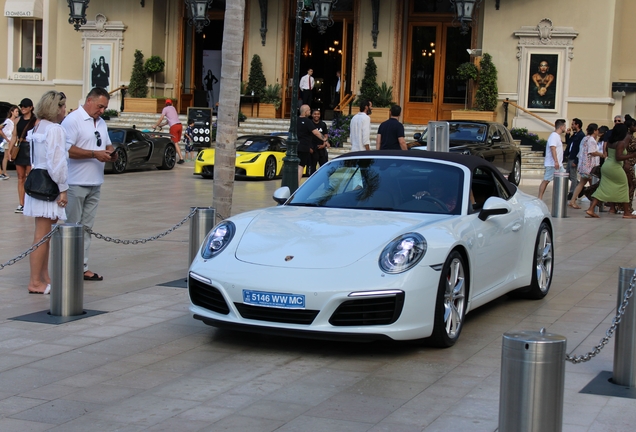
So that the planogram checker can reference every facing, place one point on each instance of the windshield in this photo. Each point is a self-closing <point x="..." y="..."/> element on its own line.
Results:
<point x="384" y="184"/>
<point x="465" y="132"/>
<point x="254" y="146"/>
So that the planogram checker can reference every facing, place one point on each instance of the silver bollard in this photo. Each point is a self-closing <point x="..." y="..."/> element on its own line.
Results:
<point x="532" y="382"/>
<point x="67" y="270"/>
<point x="200" y="225"/>
<point x="625" y="344"/>
<point x="560" y="195"/>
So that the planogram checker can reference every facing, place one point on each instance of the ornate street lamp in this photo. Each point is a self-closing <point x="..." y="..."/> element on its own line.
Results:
<point x="290" y="167"/>
<point x="77" y="17"/>
<point x="464" y="10"/>
<point x="198" y="13"/>
<point x="322" y="18"/>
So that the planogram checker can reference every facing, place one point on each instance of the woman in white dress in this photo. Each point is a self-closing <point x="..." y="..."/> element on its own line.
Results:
<point x="48" y="151"/>
<point x="5" y="136"/>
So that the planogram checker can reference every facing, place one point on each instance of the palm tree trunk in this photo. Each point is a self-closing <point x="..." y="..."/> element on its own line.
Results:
<point x="229" y="97"/>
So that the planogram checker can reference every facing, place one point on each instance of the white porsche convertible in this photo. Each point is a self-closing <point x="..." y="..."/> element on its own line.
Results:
<point x="374" y="245"/>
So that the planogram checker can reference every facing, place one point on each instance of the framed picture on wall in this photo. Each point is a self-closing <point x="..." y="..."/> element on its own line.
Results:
<point x="543" y="82"/>
<point x="100" y="62"/>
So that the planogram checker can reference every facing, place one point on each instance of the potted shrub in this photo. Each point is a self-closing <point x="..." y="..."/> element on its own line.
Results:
<point x="339" y="131"/>
<point x="137" y="100"/>
<point x="153" y="66"/>
<point x="382" y="103"/>
<point x="256" y="84"/>
<point x="270" y="101"/>
<point x="487" y="91"/>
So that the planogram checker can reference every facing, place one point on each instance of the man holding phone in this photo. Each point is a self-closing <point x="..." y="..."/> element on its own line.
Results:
<point x="89" y="147"/>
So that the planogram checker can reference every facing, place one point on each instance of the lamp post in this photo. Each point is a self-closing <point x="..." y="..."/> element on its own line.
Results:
<point x="464" y="10"/>
<point x="77" y="16"/>
<point x="198" y="13"/>
<point x="322" y="15"/>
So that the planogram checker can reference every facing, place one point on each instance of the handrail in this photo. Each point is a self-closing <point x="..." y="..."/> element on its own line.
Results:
<point x="122" y="87"/>
<point x="508" y="101"/>
<point x="344" y="102"/>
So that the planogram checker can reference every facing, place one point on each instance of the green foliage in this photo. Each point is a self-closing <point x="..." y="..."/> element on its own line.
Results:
<point x="272" y="95"/>
<point x="467" y="71"/>
<point x="241" y="117"/>
<point x="21" y="69"/>
<point x="339" y="131"/>
<point x="154" y="65"/>
<point x="110" y="113"/>
<point x="256" y="82"/>
<point x="487" y="92"/>
<point x="385" y="96"/>
<point x="138" y="87"/>
<point x="243" y="87"/>
<point x="369" y="87"/>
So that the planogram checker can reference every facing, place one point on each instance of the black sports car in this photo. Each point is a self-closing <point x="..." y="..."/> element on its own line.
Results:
<point x="488" y="140"/>
<point x="136" y="149"/>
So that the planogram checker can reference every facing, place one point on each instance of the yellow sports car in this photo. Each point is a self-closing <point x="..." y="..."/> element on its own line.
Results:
<point x="256" y="156"/>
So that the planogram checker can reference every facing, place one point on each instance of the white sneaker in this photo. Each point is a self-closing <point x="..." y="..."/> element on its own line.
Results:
<point x="584" y="199"/>
<point x="634" y="212"/>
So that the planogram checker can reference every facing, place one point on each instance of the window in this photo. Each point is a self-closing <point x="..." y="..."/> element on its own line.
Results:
<point x="31" y="44"/>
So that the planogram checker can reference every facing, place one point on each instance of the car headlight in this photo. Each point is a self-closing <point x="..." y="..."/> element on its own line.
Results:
<point x="253" y="159"/>
<point x="402" y="253"/>
<point x="218" y="239"/>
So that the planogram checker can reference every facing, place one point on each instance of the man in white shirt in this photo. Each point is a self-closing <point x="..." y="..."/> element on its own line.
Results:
<point x="89" y="147"/>
<point x="360" y="129"/>
<point x="306" y="87"/>
<point x="553" y="155"/>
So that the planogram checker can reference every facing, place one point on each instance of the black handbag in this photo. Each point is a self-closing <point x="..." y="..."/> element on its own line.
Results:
<point x="39" y="185"/>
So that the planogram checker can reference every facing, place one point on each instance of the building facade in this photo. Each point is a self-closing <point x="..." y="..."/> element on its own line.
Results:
<point x="554" y="62"/>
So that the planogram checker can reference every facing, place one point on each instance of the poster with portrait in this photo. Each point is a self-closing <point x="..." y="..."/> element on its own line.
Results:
<point x="543" y="73"/>
<point x="211" y="77"/>
<point x="100" y="57"/>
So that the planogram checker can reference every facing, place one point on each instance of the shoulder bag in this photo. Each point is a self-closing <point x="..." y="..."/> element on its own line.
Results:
<point x="13" y="151"/>
<point x="39" y="184"/>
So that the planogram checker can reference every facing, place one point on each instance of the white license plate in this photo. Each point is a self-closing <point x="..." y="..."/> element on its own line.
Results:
<point x="277" y="300"/>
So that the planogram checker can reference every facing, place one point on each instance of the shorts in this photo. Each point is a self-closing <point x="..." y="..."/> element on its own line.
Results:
<point x="305" y="158"/>
<point x="175" y="131"/>
<point x="549" y="172"/>
<point x="189" y="147"/>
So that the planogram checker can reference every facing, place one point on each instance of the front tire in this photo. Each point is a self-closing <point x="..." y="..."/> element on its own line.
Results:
<point x="542" y="264"/>
<point x="119" y="166"/>
<point x="450" y="306"/>
<point x="270" y="168"/>
<point x="169" y="158"/>
<point x="515" y="174"/>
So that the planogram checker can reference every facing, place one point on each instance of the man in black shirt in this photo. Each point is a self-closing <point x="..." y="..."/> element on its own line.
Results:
<point x="391" y="132"/>
<point x="306" y="131"/>
<point x="319" y="148"/>
<point x="573" y="138"/>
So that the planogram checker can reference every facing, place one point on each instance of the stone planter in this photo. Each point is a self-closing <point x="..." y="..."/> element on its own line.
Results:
<point x="378" y="115"/>
<point x="473" y="115"/>
<point x="145" y="105"/>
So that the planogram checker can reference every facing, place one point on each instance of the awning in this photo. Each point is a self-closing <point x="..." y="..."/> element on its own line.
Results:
<point x="23" y="9"/>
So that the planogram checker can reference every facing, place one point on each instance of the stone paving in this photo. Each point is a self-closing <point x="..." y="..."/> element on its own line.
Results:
<point x="146" y="365"/>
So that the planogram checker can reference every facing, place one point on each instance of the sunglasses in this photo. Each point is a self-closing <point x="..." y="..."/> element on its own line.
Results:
<point x="62" y="97"/>
<point x="618" y="121"/>
<point x="99" y="139"/>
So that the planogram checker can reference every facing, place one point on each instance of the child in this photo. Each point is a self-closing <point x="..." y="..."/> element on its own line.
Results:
<point x="189" y="140"/>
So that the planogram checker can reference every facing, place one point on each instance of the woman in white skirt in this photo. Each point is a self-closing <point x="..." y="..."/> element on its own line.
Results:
<point x="48" y="151"/>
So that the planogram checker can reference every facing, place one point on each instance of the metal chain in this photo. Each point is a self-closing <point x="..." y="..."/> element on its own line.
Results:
<point x="140" y="241"/>
<point x="30" y="250"/>
<point x="610" y="332"/>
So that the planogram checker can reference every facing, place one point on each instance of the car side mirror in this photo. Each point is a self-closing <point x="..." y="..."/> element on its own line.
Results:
<point x="281" y="195"/>
<point x="494" y="206"/>
<point x="417" y="136"/>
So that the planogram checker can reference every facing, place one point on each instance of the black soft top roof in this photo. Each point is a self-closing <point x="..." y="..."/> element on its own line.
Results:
<point x="469" y="161"/>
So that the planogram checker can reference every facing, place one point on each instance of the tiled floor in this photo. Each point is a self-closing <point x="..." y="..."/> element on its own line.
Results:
<point x="146" y="365"/>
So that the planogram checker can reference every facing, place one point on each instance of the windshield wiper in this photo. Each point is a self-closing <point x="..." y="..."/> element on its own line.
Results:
<point x="304" y="204"/>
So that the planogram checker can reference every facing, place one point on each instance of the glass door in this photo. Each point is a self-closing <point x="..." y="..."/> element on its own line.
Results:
<point x="433" y="90"/>
<point x="423" y="72"/>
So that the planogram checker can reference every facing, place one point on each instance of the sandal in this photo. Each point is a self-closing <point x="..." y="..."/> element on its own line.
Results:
<point x="95" y="277"/>
<point x="628" y="216"/>
<point x="591" y="215"/>
<point x="574" y="206"/>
